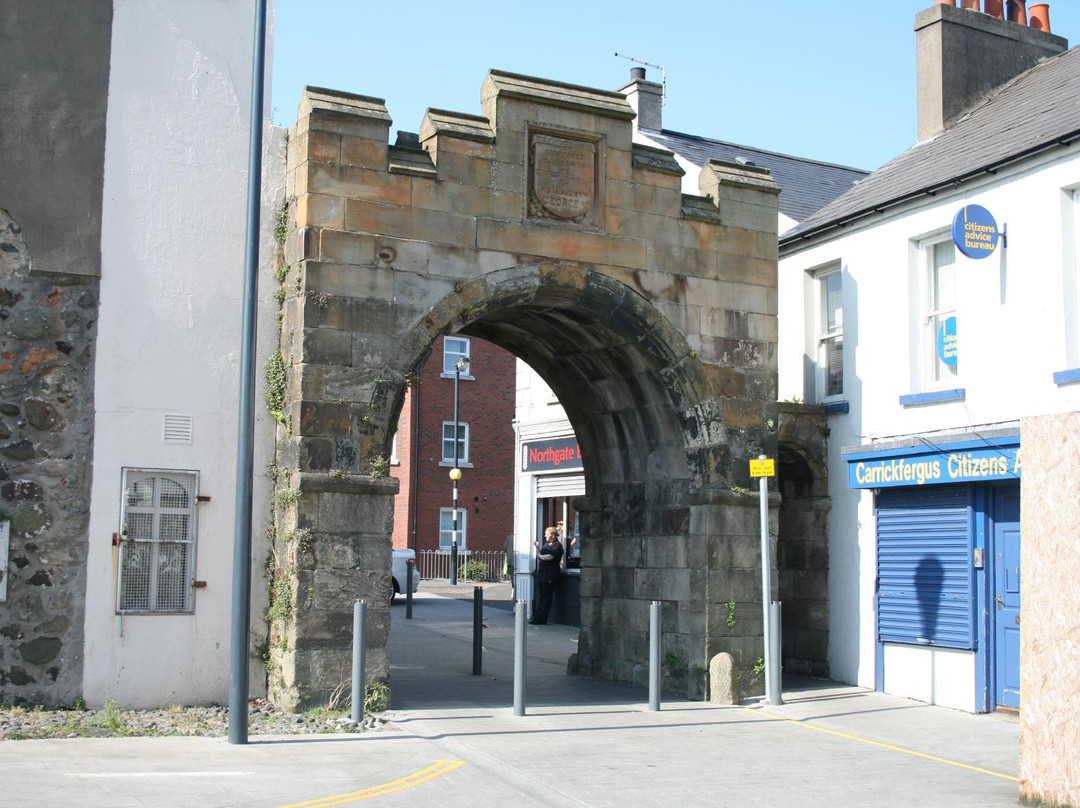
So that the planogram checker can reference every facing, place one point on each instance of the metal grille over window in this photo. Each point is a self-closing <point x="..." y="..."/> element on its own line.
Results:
<point x="157" y="542"/>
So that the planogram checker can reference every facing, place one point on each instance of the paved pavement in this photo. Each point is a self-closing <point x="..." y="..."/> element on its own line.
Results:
<point x="454" y="741"/>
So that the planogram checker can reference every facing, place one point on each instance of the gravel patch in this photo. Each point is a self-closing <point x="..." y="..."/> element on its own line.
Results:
<point x="22" y="723"/>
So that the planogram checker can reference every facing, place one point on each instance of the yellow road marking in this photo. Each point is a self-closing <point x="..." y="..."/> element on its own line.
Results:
<point x="890" y="747"/>
<point x="436" y="769"/>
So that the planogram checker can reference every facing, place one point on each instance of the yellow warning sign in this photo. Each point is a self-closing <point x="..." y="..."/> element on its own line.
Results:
<point x="763" y="468"/>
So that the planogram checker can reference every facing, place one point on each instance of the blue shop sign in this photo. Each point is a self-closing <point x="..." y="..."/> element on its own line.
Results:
<point x="966" y="462"/>
<point x="975" y="232"/>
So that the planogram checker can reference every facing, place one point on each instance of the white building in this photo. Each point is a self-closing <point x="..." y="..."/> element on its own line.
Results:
<point x="928" y="338"/>
<point x="158" y="594"/>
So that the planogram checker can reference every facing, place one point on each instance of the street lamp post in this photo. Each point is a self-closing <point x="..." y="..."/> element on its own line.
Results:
<point x="455" y="473"/>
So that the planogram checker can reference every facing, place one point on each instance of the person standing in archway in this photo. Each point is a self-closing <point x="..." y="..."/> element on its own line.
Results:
<point x="548" y="573"/>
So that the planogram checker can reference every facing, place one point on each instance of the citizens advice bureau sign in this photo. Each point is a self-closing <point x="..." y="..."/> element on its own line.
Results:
<point x="975" y="232"/>
<point x="967" y="462"/>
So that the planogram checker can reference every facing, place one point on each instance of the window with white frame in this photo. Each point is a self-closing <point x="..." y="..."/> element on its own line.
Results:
<point x="1072" y="280"/>
<point x="448" y="443"/>
<point x="157" y="541"/>
<point x="446" y="528"/>
<point x="830" y="337"/>
<point x="938" y="338"/>
<point x="454" y="350"/>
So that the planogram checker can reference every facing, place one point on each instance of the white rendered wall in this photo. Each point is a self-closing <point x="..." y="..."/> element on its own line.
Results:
<point x="935" y="675"/>
<point x="173" y="235"/>
<point x="1015" y="332"/>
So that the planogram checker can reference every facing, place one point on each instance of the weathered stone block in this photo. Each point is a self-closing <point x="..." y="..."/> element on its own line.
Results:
<point x="437" y="226"/>
<point x="324" y="418"/>
<point x="317" y="210"/>
<point x="328" y="346"/>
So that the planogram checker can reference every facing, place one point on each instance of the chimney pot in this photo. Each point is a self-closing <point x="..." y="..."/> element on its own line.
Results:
<point x="637" y="74"/>
<point x="995" y="8"/>
<point x="1016" y="11"/>
<point x="1040" y="16"/>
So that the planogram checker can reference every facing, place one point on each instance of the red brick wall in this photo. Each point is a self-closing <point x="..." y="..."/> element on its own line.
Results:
<point x="487" y="489"/>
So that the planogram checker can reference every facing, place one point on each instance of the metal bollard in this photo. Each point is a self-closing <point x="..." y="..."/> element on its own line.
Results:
<point x="654" y="656"/>
<point x="359" y="659"/>
<point x="477" y="630"/>
<point x="519" y="658"/>
<point x="408" y="588"/>
<point x="775" y="653"/>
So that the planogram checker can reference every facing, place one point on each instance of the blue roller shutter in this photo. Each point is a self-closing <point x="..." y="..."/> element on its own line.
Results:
<point x="924" y="567"/>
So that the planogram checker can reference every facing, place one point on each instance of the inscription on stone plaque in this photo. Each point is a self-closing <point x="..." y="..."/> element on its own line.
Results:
<point x="562" y="178"/>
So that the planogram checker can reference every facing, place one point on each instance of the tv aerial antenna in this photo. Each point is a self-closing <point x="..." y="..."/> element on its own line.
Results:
<point x="663" y="75"/>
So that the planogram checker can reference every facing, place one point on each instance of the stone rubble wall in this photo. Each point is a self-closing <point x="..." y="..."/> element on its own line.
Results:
<point x="47" y="328"/>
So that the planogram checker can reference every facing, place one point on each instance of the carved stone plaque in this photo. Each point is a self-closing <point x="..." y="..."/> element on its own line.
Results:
<point x="562" y="177"/>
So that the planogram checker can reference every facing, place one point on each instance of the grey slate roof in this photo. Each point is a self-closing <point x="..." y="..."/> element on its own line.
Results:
<point x="805" y="185"/>
<point x="1036" y="111"/>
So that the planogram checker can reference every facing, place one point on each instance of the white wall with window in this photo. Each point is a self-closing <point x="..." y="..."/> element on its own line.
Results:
<point x="937" y="361"/>
<point x="829" y="379"/>
<point x="161" y="511"/>
<point x="909" y="373"/>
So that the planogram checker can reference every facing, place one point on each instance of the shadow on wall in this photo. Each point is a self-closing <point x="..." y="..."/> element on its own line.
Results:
<point x="929" y="577"/>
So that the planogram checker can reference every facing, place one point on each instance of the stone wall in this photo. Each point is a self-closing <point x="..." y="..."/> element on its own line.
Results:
<point x="802" y="560"/>
<point x="54" y="81"/>
<point x="1050" y="608"/>
<point x="47" y="326"/>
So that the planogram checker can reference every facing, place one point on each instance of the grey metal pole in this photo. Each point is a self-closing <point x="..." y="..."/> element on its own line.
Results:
<point x="519" y="658"/>
<point x="654" y="656"/>
<point x="408" y="589"/>
<point x="359" y="659"/>
<point x="774" y="647"/>
<point x="454" y="533"/>
<point x="245" y="455"/>
<point x="766" y="584"/>
<point x="477" y="630"/>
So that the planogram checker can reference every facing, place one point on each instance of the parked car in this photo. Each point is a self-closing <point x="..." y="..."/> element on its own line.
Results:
<point x="399" y="572"/>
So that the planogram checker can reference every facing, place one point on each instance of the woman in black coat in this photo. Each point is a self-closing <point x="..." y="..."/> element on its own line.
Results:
<point x="548" y="573"/>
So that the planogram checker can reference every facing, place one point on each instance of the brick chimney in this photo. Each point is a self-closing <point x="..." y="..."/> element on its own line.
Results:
<point x="964" y="55"/>
<point x="646" y="97"/>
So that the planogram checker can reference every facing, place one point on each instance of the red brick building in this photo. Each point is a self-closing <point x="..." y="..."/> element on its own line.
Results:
<point x="424" y="446"/>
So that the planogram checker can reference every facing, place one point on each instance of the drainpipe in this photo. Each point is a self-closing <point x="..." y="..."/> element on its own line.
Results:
<point x="245" y="457"/>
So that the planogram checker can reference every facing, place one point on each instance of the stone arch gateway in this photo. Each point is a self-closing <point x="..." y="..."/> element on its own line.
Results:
<point x="539" y="226"/>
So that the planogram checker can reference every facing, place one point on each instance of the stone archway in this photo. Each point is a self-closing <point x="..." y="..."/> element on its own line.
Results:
<point x="802" y="552"/>
<point x="542" y="228"/>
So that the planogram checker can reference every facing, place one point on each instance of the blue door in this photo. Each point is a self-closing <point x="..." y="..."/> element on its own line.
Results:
<point x="1006" y="606"/>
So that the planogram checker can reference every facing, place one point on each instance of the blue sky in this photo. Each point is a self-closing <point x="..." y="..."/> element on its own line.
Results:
<point x="832" y="81"/>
